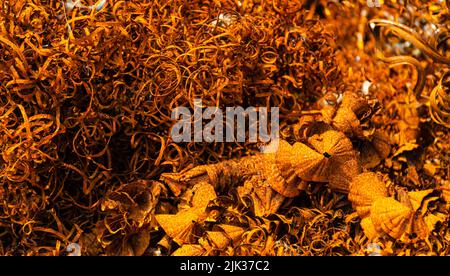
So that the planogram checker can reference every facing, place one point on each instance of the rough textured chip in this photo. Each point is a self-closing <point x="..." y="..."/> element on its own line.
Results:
<point x="179" y="226"/>
<point x="369" y="228"/>
<point x="311" y="165"/>
<point x="364" y="190"/>
<point x="189" y="250"/>
<point x="219" y="239"/>
<point x="332" y="158"/>
<point x="331" y="142"/>
<point x="342" y="173"/>
<point x="204" y="193"/>
<point x="347" y="122"/>
<point x="279" y="171"/>
<point x="392" y="217"/>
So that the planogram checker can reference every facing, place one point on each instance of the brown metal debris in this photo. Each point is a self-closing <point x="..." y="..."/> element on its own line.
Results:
<point x="86" y="157"/>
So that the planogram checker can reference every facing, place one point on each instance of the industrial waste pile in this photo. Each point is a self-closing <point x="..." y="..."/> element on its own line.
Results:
<point x="88" y="165"/>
